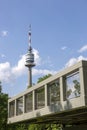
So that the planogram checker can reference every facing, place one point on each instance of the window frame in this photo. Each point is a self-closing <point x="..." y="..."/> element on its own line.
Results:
<point x="19" y="109"/>
<point x="30" y="103"/>
<point x="51" y="95"/>
<point x="38" y="96"/>
<point x="12" y="109"/>
<point x="72" y="87"/>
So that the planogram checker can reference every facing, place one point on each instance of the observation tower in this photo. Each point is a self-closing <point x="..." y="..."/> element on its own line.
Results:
<point x="30" y="60"/>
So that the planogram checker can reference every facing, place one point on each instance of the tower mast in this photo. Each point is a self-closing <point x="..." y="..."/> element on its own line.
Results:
<point x="30" y="60"/>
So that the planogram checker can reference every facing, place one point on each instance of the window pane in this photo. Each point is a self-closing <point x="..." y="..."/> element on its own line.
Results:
<point x="28" y="102"/>
<point x="40" y="98"/>
<point x="73" y="85"/>
<point x="12" y="109"/>
<point x="54" y="92"/>
<point x="20" y="106"/>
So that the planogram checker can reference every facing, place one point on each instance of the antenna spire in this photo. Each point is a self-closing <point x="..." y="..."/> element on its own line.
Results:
<point x="30" y="36"/>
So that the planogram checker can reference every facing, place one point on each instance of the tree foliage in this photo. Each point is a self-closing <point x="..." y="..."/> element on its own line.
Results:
<point x="3" y="109"/>
<point x="44" y="127"/>
<point x="77" y="88"/>
<point x="0" y="88"/>
<point x="43" y="78"/>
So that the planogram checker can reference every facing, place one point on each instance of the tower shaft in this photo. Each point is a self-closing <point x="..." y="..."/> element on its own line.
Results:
<point x="30" y="76"/>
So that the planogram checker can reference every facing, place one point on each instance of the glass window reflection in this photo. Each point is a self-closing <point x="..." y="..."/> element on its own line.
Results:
<point x="53" y="92"/>
<point x="12" y="109"/>
<point x="28" y="102"/>
<point x="20" y="106"/>
<point x="40" y="98"/>
<point x="73" y="85"/>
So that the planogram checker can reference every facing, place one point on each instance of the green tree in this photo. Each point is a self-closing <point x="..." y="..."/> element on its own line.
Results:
<point x="0" y="88"/>
<point x="77" y="87"/>
<point x="36" y="127"/>
<point x="43" y="78"/>
<point x="3" y="109"/>
<point x="44" y="127"/>
<point x="68" y="93"/>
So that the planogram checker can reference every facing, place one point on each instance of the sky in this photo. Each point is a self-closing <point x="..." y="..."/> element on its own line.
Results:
<point x="59" y="39"/>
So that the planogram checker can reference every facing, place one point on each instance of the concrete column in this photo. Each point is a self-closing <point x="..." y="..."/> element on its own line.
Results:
<point x="23" y="104"/>
<point x="61" y="89"/>
<point x="8" y="110"/>
<point x="34" y="102"/>
<point x="81" y="81"/>
<point x="46" y="98"/>
<point x="15" y="107"/>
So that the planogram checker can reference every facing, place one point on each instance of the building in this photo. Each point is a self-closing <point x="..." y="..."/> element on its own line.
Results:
<point x="61" y="98"/>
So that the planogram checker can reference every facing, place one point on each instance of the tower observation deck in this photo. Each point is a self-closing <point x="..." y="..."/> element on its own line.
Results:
<point x="30" y="60"/>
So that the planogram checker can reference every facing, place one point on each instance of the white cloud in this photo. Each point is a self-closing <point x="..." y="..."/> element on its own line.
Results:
<point x="72" y="61"/>
<point x="4" y="33"/>
<point x="37" y="57"/>
<point x="8" y="73"/>
<point x="63" y="48"/>
<point x="2" y="56"/>
<point x="82" y="49"/>
<point x="19" y="69"/>
<point x="43" y="71"/>
<point x="5" y="72"/>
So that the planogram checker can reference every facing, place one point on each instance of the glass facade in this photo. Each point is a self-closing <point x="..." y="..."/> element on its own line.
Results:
<point x="53" y="92"/>
<point x="20" y="106"/>
<point x="28" y="102"/>
<point x="12" y="109"/>
<point x="72" y="85"/>
<point x="40" y="98"/>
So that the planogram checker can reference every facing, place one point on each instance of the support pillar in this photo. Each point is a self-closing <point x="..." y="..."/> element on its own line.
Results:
<point x="46" y="102"/>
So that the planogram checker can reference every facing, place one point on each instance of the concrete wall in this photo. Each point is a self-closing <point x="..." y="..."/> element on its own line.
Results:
<point x="63" y="104"/>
